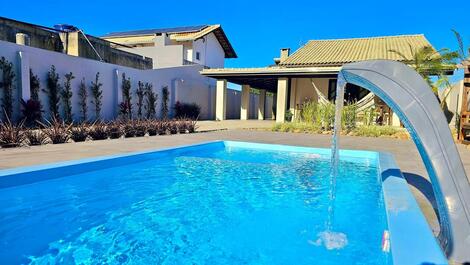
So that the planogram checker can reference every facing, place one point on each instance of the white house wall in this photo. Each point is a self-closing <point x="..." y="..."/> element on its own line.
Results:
<point x="211" y="53"/>
<point x="184" y="82"/>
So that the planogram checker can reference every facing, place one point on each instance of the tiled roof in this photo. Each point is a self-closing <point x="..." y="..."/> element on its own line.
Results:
<point x="337" y="52"/>
<point x="183" y="34"/>
<point x="154" y="31"/>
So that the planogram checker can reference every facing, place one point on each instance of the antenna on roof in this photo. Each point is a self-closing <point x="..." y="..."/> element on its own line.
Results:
<point x="70" y="28"/>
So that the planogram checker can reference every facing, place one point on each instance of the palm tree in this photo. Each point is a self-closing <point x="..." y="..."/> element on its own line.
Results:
<point x="430" y="62"/>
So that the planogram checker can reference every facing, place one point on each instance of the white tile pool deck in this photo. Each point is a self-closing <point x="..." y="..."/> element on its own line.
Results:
<point x="404" y="151"/>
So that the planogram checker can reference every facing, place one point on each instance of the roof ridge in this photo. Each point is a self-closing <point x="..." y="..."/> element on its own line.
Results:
<point x="375" y="37"/>
<point x="201" y="26"/>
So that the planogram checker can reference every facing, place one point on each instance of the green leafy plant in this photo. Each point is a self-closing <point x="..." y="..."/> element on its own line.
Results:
<point x="98" y="131"/>
<point x="150" y="101"/>
<point x="126" y="105"/>
<point x="36" y="137"/>
<point x="8" y="74"/>
<point x="79" y="133"/>
<point x="82" y="100"/>
<point x="140" y="92"/>
<point x="349" y="117"/>
<point x="57" y="131"/>
<point x="165" y="100"/>
<point x="97" y="94"/>
<point x="66" y="95"/>
<point x="11" y="135"/>
<point x="53" y="89"/>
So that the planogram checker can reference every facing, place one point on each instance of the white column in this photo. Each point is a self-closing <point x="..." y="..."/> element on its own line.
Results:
<point x="220" y="99"/>
<point x="261" y="104"/>
<point x="245" y="102"/>
<point x="281" y="99"/>
<point x="395" y="120"/>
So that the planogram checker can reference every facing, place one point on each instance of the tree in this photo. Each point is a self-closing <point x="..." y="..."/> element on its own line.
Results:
<point x="53" y="89"/>
<point x="82" y="100"/>
<point x="126" y="106"/>
<point x="150" y="101"/>
<point x="140" y="92"/>
<point x="97" y="94"/>
<point x="165" y="99"/>
<point x="429" y="62"/>
<point x="7" y="84"/>
<point x="66" y="95"/>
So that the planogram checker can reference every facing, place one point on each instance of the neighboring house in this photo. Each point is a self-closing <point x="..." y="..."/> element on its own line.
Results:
<point x="206" y="45"/>
<point x="311" y="72"/>
<point x="72" y="42"/>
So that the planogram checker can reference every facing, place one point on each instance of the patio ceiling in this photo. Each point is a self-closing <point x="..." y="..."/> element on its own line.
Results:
<point x="266" y="77"/>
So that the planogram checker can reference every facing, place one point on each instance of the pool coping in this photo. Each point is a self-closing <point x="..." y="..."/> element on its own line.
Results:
<point x="411" y="239"/>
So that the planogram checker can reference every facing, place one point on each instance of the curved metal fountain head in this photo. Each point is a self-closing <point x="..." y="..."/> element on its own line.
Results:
<point x="411" y="98"/>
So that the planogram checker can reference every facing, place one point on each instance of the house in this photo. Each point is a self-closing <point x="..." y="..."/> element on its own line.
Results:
<point x="69" y="40"/>
<point x="206" y="45"/>
<point x="310" y="73"/>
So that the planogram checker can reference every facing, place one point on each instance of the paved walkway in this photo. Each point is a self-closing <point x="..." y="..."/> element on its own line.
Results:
<point x="404" y="151"/>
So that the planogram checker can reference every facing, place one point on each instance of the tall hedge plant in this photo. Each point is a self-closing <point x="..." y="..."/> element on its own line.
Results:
<point x="6" y="84"/>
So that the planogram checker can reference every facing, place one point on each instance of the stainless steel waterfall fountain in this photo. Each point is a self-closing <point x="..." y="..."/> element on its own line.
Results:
<point x="412" y="99"/>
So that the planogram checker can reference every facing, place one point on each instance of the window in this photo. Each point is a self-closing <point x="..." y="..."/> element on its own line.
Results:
<point x="198" y="56"/>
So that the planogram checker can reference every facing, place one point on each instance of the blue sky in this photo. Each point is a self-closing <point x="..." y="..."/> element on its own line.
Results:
<point x="258" y="29"/>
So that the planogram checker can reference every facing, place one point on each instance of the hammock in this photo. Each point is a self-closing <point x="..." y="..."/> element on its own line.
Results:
<point x="363" y="104"/>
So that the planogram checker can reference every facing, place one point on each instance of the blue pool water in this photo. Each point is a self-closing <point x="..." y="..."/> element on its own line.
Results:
<point x="214" y="205"/>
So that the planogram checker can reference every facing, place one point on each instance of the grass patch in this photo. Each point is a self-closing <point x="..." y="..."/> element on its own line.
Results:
<point x="366" y="131"/>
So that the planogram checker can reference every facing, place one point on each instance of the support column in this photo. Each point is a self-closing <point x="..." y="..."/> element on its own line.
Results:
<point x="395" y="120"/>
<point x="245" y="102"/>
<point x="261" y="104"/>
<point x="281" y="99"/>
<point x="220" y="99"/>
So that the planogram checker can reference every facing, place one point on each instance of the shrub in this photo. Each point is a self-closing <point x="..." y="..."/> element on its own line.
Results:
<point x="66" y="95"/>
<point x="375" y="131"/>
<point x="53" y="91"/>
<point x="115" y="130"/>
<point x="140" y="92"/>
<point x="309" y="111"/>
<point x="126" y="111"/>
<point x="98" y="131"/>
<point x="150" y="101"/>
<point x="161" y="127"/>
<point x="31" y="111"/>
<point x="128" y="129"/>
<point x="151" y="127"/>
<point x="79" y="133"/>
<point x="140" y="128"/>
<point x="57" y="131"/>
<point x="187" y="110"/>
<point x="11" y="135"/>
<point x="349" y="117"/>
<point x="165" y="99"/>
<point x="97" y="94"/>
<point x="173" y="127"/>
<point x="191" y="126"/>
<point x="8" y="74"/>
<point x="36" y="137"/>
<point x="82" y="100"/>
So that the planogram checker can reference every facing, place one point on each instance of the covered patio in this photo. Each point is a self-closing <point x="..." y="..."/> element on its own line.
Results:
<point x="277" y="80"/>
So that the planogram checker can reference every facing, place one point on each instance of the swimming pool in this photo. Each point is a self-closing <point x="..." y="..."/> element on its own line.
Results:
<point x="213" y="203"/>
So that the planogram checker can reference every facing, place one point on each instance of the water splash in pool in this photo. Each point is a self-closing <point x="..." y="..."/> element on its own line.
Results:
<point x="329" y="238"/>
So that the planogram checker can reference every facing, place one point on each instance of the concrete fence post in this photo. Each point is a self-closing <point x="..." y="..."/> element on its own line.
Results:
<point x="23" y="90"/>
<point x="117" y="91"/>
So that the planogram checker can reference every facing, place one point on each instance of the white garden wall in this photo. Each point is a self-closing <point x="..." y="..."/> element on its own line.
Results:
<point x="184" y="82"/>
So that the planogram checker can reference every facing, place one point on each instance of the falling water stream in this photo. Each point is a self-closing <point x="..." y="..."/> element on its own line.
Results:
<point x="329" y="238"/>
